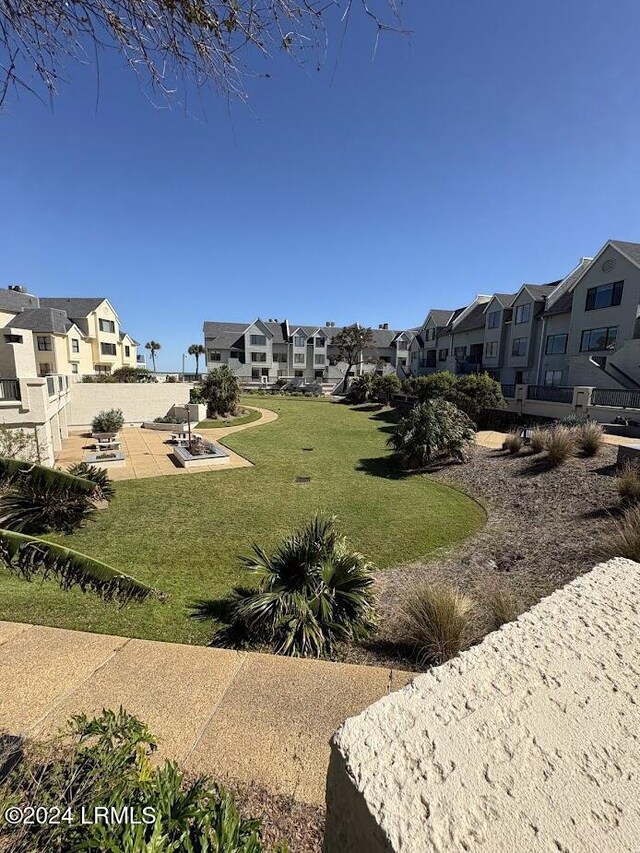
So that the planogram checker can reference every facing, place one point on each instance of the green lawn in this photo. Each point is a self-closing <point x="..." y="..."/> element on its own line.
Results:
<point x="246" y="418"/>
<point x="183" y="533"/>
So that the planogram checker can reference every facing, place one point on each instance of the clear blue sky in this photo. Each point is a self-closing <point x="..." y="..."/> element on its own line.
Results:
<point x="495" y="145"/>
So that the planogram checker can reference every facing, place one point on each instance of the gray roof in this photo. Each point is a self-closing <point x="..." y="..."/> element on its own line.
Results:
<point x="230" y="335"/>
<point x="505" y="299"/>
<point x="75" y="306"/>
<point x="475" y="319"/>
<point x="541" y="291"/>
<point x="13" y="300"/>
<point x="224" y="335"/>
<point x="632" y="250"/>
<point x="564" y="303"/>
<point x="48" y="320"/>
<point x="441" y="317"/>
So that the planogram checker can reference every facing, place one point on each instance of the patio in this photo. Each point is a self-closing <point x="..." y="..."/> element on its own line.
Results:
<point x="147" y="453"/>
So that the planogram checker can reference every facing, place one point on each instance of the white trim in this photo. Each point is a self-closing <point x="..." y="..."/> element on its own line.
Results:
<point x="480" y="299"/>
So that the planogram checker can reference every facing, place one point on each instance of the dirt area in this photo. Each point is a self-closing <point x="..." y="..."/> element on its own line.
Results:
<point x="543" y="530"/>
<point x="283" y="819"/>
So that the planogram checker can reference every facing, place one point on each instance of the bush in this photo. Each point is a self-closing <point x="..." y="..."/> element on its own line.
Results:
<point x="169" y="419"/>
<point x="170" y="378"/>
<point x="538" y="439"/>
<point x="312" y="593"/>
<point x="220" y="391"/>
<point x="106" y="761"/>
<point x="477" y="392"/>
<point x="625" y="539"/>
<point x="628" y="483"/>
<point x="590" y="438"/>
<point x="360" y="389"/>
<point x="18" y="444"/>
<point x="96" y="475"/>
<point x="441" y="384"/>
<point x="502" y="603"/>
<point x="431" y="431"/>
<point x="384" y="387"/>
<point x="560" y="444"/>
<point x="111" y="420"/>
<point x="513" y="442"/>
<point x="434" y="620"/>
<point x="133" y="374"/>
<point x="195" y="395"/>
<point x="575" y="420"/>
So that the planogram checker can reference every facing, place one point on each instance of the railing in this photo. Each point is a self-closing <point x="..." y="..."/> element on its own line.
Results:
<point x="618" y="398"/>
<point x="509" y="390"/>
<point x="550" y="393"/>
<point x="9" y="389"/>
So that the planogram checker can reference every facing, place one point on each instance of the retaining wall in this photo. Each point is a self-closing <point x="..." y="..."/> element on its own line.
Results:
<point x="139" y="401"/>
<point x="529" y="741"/>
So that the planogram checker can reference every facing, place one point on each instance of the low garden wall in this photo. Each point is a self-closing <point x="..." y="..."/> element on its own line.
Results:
<point x="139" y="401"/>
<point x="527" y="741"/>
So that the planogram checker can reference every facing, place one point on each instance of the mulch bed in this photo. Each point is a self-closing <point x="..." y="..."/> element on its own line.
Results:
<point x="543" y="530"/>
<point x="283" y="819"/>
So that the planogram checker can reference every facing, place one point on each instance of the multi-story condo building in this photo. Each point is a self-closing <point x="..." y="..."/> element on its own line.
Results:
<point x="582" y="330"/>
<point x="47" y="344"/>
<point x="265" y="351"/>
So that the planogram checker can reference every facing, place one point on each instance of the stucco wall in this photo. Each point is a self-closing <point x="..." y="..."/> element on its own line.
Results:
<point x="139" y="401"/>
<point x="529" y="741"/>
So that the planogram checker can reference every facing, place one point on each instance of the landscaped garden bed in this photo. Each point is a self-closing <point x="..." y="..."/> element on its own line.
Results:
<point x="200" y="452"/>
<point x="106" y="458"/>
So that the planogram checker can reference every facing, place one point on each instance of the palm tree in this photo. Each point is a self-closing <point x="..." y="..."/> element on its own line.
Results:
<point x="312" y="593"/>
<point x="29" y="557"/>
<point x="153" y="347"/>
<point x="196" y="350"/>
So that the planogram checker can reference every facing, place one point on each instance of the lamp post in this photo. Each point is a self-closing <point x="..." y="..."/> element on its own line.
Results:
<point x="183" y="358"/>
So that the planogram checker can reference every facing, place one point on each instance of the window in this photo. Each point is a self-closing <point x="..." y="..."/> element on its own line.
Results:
<point x="319" y="359"/>
<point x="298" y="358"/>
<point x="556" y="345"/>
<point x="318" y="374"/>
<point x="255" y="373"/>
<point x="593" y="340"/>
<point x="236" y="353"/>
<point x="280" y="357"/>
<point x="102" y="368"/>
<point x="493" y="320"/>
<point x="430" y="334"/>
<point x="523" y="313"/>
<point x="553" y="377"/>
<point x="443" y="354"/>
<point x="258" y="356"/>
<point x="107" y="349"/>
<point x="214" y="355"/>
<point x="13" y="339"/>
<point x="264" y="371"/>
<point x="519" y="346"/>
<point x="491" y="349"/>
<point x="604" y="296"/>
<point x="258" y="340"/>
<point x="321" y="343"/>
<point x="45" y="370"/>
<point x="460" y="352"/>
<point x="299" y="341"/>
<point x="430" y="358"/>
<point x="107" y="326"/>
<point x="298" y="374"/>
<point x="75" y="345"/>
<point x="74" y="367"/>
<point x="401" y="344"/>
<point x="127" y="352"/>
<point x="44" y="343"/>
<point x="522" y="377"/>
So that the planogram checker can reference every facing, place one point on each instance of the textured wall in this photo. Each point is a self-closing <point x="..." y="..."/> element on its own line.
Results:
<point x="139" y="401"/>
<point x="527" y="742"/>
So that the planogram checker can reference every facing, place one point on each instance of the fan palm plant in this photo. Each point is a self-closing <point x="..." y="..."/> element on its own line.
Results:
<point x="153" y="347"/>
<point x="312" y="593"/>
<point x="98" y="476"/>
<point x="433" y="430"/>
<point x="30" y="557"/>
<point x="196" y="350"/>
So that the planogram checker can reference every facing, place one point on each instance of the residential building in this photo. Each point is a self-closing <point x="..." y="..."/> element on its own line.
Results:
<point x="47" y="344"/>
<point x="265" y="351"/>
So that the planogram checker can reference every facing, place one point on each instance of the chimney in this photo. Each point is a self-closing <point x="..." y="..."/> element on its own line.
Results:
<point x="383" y="326"/>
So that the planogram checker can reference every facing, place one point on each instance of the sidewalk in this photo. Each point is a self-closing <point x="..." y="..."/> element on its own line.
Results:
<point x="493" y="440"/>
<point x="236" y="715"/>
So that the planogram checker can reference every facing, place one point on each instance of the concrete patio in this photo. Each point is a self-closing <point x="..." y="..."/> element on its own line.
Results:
<point x="148" y="452"/>
<point x="237" y="715"/>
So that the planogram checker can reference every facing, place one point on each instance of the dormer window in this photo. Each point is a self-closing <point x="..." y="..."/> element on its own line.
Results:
<point x="523" y="313"/>
<point x="401" y="344"/>
<point x="604" y="296"/>
<point x="430" y="334"/>
<point x="258" y="340"/>
<point x="321" y="343"/>
<point x="299" y="341"/>
<point x="107" y="326"/>
<point x="493" y="320"/>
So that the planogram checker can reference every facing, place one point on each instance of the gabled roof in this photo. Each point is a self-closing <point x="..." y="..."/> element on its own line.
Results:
<point x="471" y="317"/>
<point x="505" y="299"/>
<point x="75" y="306"/>
<point x="14" y="300"/>
<point x="442" y="316"/>
<point x="124" y="335"/>
<point x="561" y="300"/>
<point x="49" y="320"/>
<point x="539" y="291"/>
<point x="225" y="335"/>
<point x="630" y="250"/>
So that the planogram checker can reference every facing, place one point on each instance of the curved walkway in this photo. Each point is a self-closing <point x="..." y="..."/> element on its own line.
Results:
<point x="148" y="454"/>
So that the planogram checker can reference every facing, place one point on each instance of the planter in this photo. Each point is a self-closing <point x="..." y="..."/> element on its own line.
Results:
<point x="622" y="429"/>
<point x="217" y="456"/>
<point x="107" y="459"/>
<point x="165" y="427"/>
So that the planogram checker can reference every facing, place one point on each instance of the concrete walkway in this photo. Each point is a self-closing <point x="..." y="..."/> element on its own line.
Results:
<point x="493" y="440"/>
<point x="242" y="716"/>
<point x="148" y="452"/>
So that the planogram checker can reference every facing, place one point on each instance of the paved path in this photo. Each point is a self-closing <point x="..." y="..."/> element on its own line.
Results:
<point x="493" y="439"/>
<point x="148" y="453"/>
<point x="238" y="715"/>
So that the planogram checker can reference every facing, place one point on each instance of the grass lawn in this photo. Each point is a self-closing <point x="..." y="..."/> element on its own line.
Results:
<point x="246" y="418"/>
<point x="183" y="533"/>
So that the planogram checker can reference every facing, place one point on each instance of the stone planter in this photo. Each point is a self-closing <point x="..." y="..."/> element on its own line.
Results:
<point x="217" y="456"/>
<point x="106" y="459"/>
<point x="165" y="427"/>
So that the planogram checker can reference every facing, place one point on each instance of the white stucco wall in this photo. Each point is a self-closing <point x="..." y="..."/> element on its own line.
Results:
<point x="139" y="401"/>
<point x="527" y="742"/>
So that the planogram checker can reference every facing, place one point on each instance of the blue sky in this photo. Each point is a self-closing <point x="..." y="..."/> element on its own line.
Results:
<point x="496" y="144"/>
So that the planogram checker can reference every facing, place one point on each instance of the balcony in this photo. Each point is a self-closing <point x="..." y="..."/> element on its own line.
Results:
<point x="618" y="398"/>
<point x="10" y="389"/>
<point x="550" y="393"/>
<point x="469" y="364"/>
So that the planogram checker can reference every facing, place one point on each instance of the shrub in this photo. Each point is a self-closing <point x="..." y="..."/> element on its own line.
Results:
<point x="169" y="419"/>
<point x="502" y="603"/>
<point x="434" y="620"/>
<point x="133" y="374"/>
<point x="106" y="761"/>
<point x="220" y="391"/>
<point x="538" y="439"/>
<point x="195" y="395"/>
<point x="104" y="485"/>
<point x="384" y="387"/>
<point x="476" y="392"/>
<point x="312" y="593"/>
<point x="590" y="438"/>
<point x="625" y="539"/>
<point x="628" y="483"/>
<point x="18" y="444"/>
<point x="432" y="430"/>
<point x="360" y="389"/>
<point x="170" y="378"/>
<point x="513" y="442"/>
<point x="575" y="420"/>
<point x="111" y="420"/>
<point x="560" y="444"/>
<point x="441" y="384"/>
